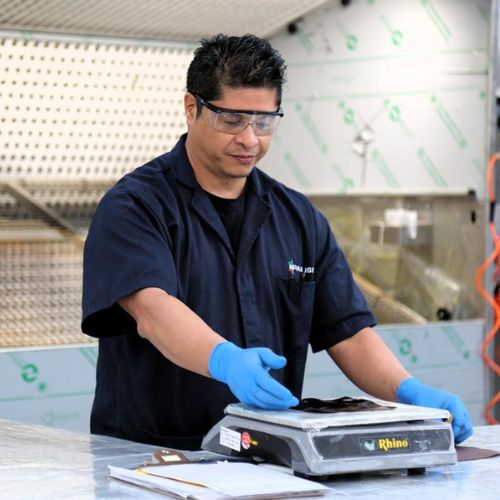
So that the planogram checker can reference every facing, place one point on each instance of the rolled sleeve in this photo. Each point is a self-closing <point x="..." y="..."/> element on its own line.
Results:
<point x="126" y="250"/>
<point x="340" y="309"/>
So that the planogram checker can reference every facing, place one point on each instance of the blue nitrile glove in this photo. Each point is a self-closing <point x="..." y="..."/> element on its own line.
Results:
<point x="412" y="391"/>
<point x="246" y="372"/>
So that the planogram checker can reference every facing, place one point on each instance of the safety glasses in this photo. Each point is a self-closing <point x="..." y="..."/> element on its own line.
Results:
<point x="235" y="121"/>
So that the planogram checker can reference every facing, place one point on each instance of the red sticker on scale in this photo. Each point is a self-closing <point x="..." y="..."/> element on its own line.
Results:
<point x="247" y="441"/>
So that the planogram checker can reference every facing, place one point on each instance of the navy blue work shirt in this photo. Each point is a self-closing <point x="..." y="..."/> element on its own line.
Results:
<point x="287" y="286"/>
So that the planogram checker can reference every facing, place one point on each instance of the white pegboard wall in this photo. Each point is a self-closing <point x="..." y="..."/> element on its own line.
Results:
<point x="87" y="109"/>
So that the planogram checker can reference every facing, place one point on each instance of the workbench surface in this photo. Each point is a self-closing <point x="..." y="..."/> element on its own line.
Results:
<point x="45" y="462"/>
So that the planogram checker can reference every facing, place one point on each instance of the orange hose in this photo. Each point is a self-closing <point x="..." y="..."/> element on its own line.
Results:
<point x="494" y="256"/>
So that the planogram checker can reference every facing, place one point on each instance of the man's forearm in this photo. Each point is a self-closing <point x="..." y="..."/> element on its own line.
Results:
<point x="174" y="329"/>
<point x="186" y="340"/>
<point x="370" y="364"/>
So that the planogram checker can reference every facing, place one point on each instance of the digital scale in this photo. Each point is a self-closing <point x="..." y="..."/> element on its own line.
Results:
<point x="312" y="444"/>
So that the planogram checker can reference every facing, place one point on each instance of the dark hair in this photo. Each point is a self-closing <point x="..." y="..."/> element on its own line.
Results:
<point x="244" y="61"/>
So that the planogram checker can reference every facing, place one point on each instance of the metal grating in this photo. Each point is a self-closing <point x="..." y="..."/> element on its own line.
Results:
<point x="187" y="20"/>
<point x="65" y="206"/>
<point x="40" y="293"/>
<point x="42" y="229"/>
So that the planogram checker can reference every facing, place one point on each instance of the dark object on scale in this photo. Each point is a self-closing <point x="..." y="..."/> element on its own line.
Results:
<point x="346" y="403"/>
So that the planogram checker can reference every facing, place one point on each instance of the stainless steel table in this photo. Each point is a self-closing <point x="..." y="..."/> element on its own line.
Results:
<point x="44" y="462"/>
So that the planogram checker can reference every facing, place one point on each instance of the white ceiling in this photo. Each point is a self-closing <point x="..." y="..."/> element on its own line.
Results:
<point x="176" y="20"/>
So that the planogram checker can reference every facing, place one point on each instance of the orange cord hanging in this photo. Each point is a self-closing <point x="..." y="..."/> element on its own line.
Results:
<point x="493" y="257"/>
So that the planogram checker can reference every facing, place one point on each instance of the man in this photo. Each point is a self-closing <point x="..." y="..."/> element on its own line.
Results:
<point x="205" y="280"/>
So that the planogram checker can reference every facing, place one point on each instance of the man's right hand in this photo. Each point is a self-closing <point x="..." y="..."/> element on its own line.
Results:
<point x="246" y="372"/>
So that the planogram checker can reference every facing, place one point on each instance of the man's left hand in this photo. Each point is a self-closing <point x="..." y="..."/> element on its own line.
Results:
<point x="412" y="391"/>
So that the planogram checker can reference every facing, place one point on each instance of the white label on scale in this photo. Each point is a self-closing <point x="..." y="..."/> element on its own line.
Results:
<point x="230" y="439"/>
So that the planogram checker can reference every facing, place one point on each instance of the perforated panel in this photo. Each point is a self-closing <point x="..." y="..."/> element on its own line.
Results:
<point x="76" y="115"/>
<point x="72" y="202"/>
<point x="91" y="110"/>
<point x="160" y="19"/>
<point x="40" y="293"/>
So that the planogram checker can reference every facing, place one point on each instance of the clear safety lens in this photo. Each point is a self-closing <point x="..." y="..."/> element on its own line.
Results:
<point x="236" y="123"/>
<point x="232" y="121"/>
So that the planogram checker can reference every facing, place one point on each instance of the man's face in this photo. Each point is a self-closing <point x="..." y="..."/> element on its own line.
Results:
<point x="221" y="159"/>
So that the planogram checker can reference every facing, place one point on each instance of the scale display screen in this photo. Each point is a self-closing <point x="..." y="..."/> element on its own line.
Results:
<point x="380" y="444"/>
